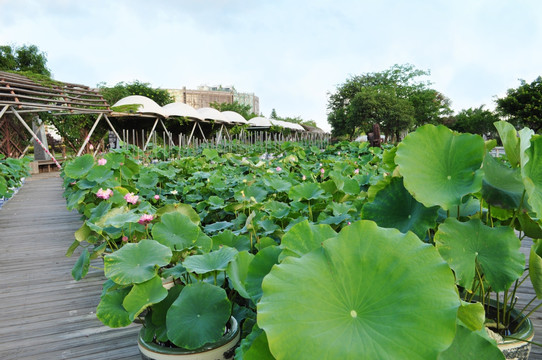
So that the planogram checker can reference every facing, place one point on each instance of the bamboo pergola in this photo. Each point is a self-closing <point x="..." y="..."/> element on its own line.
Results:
<point x="22" y="95"/>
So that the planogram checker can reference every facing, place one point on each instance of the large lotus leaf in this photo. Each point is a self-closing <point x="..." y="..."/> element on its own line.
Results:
<point x="305" y="191"/>
<point x="75" y="199"/>
<point x="532" y="174"/>
<point x="144" y="294"/>
<point x="509" y="137"/>
<point x="159" y="313"/>
<point x="129" y="169"/>
<point x="304" y="237"/>
<point x="276" y="209"/>
<point x="147" y="180"/>
<point x="501" y="186"/>
<point x="530" y="226"/>
<point x="254" y="346"/>
<point x="469" y="344"/>
<point x="100" y="174"/>
<point x="212" y="261"/>
<point x="178" y="232"/>
<point x="228" y="238"/>
<point x="136" y="263"/>
<point x="394" y="207"/>
<point x="525" y="136"/>
<point x="110" y="310"/>
<point x="120" y="219"/>
<point x="258" y="268"/>
<point x="345" y="184"/>
<point x="80" y="268"/>
<point x="237" y="272"/>
<point x="79" y="167"/>
<point x="472" y="315"/>
<point x="369" y="293"/>
<point x="496" y="250"/>
<point x="535" y="267"/>
<point x="278" y="185"/>
<point x="184" y="209"/>
<point x="198" y="316"/>
<point x="440" y="166"/>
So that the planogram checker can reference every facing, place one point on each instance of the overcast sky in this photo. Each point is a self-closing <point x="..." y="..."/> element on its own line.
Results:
<point x="290" y="53"/>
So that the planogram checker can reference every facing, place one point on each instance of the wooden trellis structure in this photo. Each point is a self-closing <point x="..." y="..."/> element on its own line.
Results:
<point x="20" y="95"/>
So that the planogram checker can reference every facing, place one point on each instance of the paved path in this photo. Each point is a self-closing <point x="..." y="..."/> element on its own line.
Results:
<point x="44" y="313"/>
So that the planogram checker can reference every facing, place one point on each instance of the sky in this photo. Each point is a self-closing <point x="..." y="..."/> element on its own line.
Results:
<point x="291" y="53"/>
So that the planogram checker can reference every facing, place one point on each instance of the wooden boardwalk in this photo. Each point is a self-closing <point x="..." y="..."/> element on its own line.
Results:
<point x="44" y="313"/>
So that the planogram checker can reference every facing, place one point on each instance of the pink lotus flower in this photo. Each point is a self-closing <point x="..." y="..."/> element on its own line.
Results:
<point x="145" y="219"/>
<point x="104" y="194"/>
<point x="131" y="198"/>
<point x="102" y="161"/>
<point x="356" y="171"/>
<point x="156" y="197"/>
<point x="322" y="171"/>
<point x="125" y="238"/>
<point x="278" y="169"/>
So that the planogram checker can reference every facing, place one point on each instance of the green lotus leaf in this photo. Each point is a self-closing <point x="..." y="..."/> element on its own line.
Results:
<point x="3" y="186"/>
<point x="501" y="185"/>
<point x="439" y="166"/>
<point x="80" y="268"/>
<point x="345" y="184"/>
<point x="79" y="167"/>
<point x="178" y="232"/>
<point x="147" y="180"/>
<point x="472" y="315"/>
<point x="237" y="272"/>
<point x="469" y="344"/>
<point x="120" y="219"/>
<point x="525" y="136"/>
<point x="159" y="313"/>
<point x="276" y="209"/>
<point x="254" y="346"/>
<point x="198" y="316"/>
<point x="465" y="244"/>
<point x="228" y="238"/>
<point x="99" y="174"/>
<point x="258" y="268"/>
<point x="144" y="294"/>
<point x="530" y="227"/>
<point x="129" y="169"/>
<point x="136" y="263"/>
<point x="212" y="261"/>
<point x="76" y="198"/>
<point x="110" y="310"/>
<point x="210" y="154"/>
<point x="508" y="134"/>
<point x="218" y="226"/>
<point x="215" y="202"/>
<point x="532" y="174"/>
<point x="100" y="210"/>
<point x="278" y="185"/>
<point x="394" y="207"/>
<point x="304" y="237"/>
<point x="305" y="191"/>
<point x="184" y="209"/>
<point x="368" y="287"/>
<point x="535" y="267"/>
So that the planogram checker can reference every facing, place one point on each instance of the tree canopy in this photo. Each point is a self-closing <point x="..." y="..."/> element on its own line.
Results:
<point x="523" y="105"/>
<point x="476" y="121"/>
<point x="25" y="58"/>
<point x="296" y="120"/>
<point x="242" y="109"/>
<point x="394" y="98"/>
<point x="122" y="90"/>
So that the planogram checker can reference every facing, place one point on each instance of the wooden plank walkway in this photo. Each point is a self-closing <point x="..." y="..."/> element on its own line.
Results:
<point x="44" y="313"/>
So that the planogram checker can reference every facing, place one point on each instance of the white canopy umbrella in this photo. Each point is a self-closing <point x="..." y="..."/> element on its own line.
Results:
<point x="213" y="114"/>
<point x="234" y="117"/>
<point x="260" y="121"/>
<point x="182" y="109"/>
<point x="145" y="105"/>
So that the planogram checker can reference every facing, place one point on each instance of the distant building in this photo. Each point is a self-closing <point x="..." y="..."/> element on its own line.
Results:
<point x="205" y="95"/>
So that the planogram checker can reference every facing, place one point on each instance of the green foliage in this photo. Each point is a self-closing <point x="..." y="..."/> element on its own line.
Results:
<point x="523" y="105"/>
<point x="476" y="121"/>
<point x="241" y="109"/>
<point x="26" y="58"/>
<point x="393" y="98"/>
<point x="122" y="90"/>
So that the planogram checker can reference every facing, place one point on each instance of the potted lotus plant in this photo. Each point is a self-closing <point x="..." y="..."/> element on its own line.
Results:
<point x="175" y="284"/>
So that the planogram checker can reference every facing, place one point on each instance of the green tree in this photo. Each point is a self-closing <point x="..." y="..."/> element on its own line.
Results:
<point x="26" y="58"/>
<point x="296" y="120"/>
<point x="523" y="105"/>
<point x="400" y="81"/>
<point x="122" y="90"/>
<point x="242" y="109"/>
<point x="476" y="121"/>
